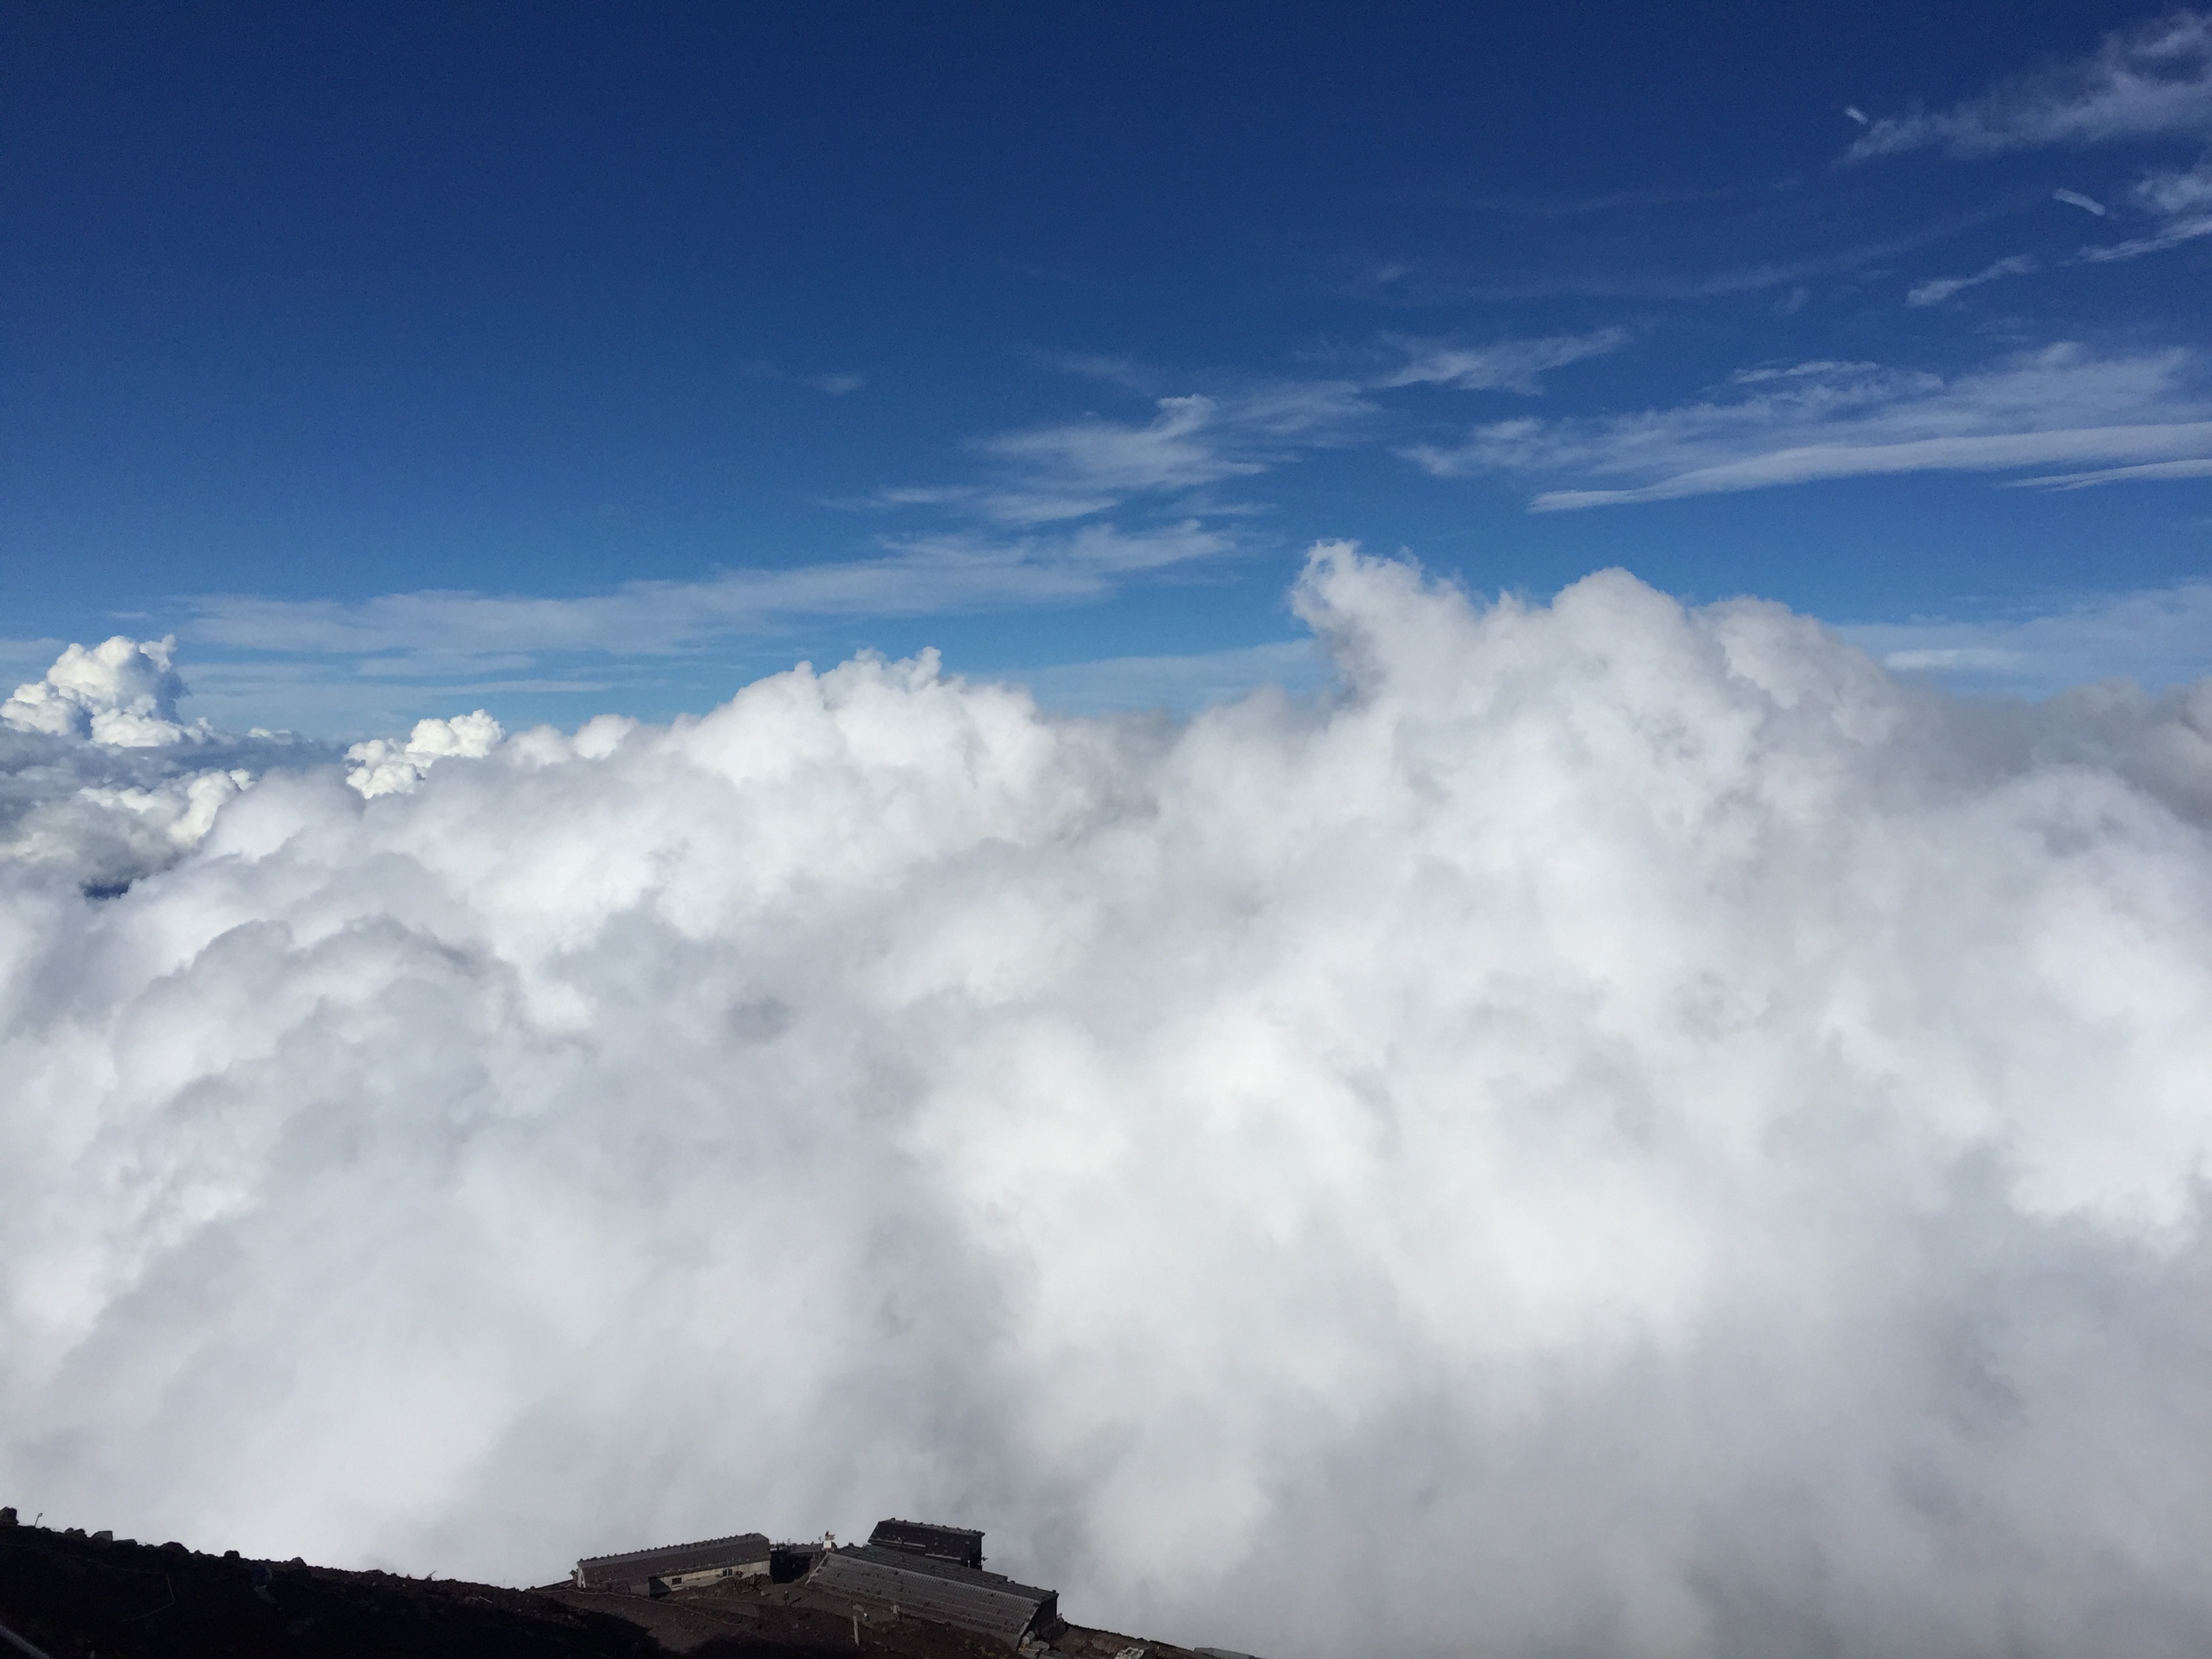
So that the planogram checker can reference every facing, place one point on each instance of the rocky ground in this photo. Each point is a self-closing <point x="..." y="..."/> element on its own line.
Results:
<point x="71" y="1596"/>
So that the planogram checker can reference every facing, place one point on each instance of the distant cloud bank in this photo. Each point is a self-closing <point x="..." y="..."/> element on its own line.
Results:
<point x="1635" y="1126"/>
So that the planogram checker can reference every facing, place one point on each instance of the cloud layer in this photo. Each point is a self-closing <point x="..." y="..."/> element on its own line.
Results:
<point x="1619" y="1130"/>
<point x="102" y="782"/>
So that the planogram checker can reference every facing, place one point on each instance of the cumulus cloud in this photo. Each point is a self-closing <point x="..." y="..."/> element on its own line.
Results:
<point x="122" y="693"/>
<point x="1623" y="1130"/>
<point x="101" y="782"/>
<point x="2152" y="80"/>
<point x="2059" y="406"/>
<point x="382" y="767"/>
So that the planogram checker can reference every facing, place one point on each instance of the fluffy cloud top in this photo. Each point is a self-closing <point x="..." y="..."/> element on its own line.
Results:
<point x="381" y="767"/>
<point x="123" y="693"/>
<point x="1620" y="1130"/>
<point x="101" y="782"/>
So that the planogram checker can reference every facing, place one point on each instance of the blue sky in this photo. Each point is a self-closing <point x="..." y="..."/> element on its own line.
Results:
<point x="403" y="359"/>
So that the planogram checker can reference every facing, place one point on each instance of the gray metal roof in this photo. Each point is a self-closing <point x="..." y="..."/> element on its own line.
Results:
<point x="961" y="1544"/>
<point x="988" y="1603"/>
<point x="740" y="1549"/>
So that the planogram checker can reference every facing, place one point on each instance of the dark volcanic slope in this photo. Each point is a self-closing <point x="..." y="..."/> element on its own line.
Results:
<point x="77" y="1598"/>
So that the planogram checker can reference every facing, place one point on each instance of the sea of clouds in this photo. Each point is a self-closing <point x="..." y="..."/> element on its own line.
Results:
<point x="1617" y="1129"/>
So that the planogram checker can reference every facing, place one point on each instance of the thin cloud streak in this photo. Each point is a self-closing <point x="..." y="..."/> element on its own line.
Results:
<point x="2145" y="472"/>
<point x="2151" y="80"/>
<point x="925" y="577"/>
<point x="1728" y="283"/>
<point x="2183" y="200"/>
<point x="1813" y="462"/>
<point x="1500" y="366"/>
<point x="2063" y="404"/>
<point x="2161" y="637"/>
<point x="1192" y="440"/>
<point x="1942" y="287"/>
<point x="1074" y="469"/>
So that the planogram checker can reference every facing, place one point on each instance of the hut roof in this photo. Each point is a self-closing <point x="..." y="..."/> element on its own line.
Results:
<point x="942" y="1592"/>
<point x="738" y="1550"/>
<point x="927" y="1538"/>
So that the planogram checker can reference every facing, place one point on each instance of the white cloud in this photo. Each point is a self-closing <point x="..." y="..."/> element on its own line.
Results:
<point x="1015" y="507"/>
<point x="1175" y="450"/>
<point x="2147" y="472"/>
<point x="1638" y="1130"/>
<point x="1191" y="440"/>
<point x="1500" y="365"/>
<point x="2182" y="199"/>
<point x="920" y="576"/>
<point x="382" y="767"/>
<point x="2175" y="192"/>
<point x="2174" y="236"/>
<point x="2059" y="406"/>
<point x="1074" y="468"/>
<point x="1811" y="463"/>
<point x="2152" y="80"/>
<point x="2075" y="198"/>
<point x="1942" y="287"/>
<point x="122" y="693"/>
<point x="101" y="783"/>
<point x="1184" y="683"/>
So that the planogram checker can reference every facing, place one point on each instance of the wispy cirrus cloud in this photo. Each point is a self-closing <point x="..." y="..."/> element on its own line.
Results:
<point x="1191" y="440"/>
<point x="1630" y="280"/>
<point x="1508" y="365"/>
<point x="999" y="505"/>
<point x="2182" y="199"/>
<point x="923" y="576"/>
<point x="1942" y="287"/>
<point x="1074" y="468"/>
<point x="2160" y="636"/>
<point x="2142" y="472"/>
<point x="2151" y="80"/>
<point x="2179" y="202"/>
<point x="2063" y="404"/>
